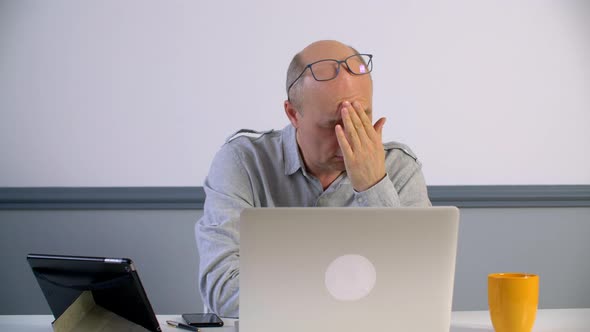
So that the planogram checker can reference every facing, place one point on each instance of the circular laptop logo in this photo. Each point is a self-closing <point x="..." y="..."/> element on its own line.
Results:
<point x="350" y="277"/>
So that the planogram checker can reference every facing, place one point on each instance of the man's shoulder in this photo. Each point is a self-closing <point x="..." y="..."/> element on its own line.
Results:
<point x="251" y="135"/>
<point x="251" y="144"/>
<point x="397" y="150"/>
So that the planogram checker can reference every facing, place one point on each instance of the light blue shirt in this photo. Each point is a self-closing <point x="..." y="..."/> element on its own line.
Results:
<point x="268" y="171"/>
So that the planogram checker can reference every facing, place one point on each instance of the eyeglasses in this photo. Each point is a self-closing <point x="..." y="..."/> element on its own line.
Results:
<point x="328" y="69"/>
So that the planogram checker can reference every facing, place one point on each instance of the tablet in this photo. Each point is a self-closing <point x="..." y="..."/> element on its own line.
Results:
<point x="114" y="283"/>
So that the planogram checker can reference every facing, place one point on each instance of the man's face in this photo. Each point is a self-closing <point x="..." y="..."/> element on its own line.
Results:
<point x="321" y="104"/>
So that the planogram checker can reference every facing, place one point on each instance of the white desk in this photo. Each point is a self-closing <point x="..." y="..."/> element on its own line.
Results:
<point x="42" y="323"/>
<point x="548" y="320"/>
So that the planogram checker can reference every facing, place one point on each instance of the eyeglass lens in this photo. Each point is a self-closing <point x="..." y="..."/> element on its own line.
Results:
<point x="328" y="69"/>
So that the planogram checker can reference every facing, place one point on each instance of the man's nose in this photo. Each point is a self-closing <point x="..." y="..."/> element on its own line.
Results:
<point x="346" y="78"/>
<point x="345" y="70"/>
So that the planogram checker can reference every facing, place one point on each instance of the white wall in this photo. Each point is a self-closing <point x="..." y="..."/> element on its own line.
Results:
<point x="142" y="93"/>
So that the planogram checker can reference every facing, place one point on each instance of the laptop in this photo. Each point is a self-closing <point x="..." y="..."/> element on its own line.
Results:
<point x="113" y="282"/>
<point x="347" y="269"/>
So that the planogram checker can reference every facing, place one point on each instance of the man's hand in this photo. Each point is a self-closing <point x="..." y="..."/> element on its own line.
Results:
<point x="361" y="146"/>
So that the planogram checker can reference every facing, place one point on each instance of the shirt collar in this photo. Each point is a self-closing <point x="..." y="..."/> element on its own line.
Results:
<point x="292" y="158"/>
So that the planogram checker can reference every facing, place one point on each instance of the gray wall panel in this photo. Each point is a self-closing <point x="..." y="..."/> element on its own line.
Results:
<point x="161" y="243"/>
<point x="552" y="242"/>
<point x="549" y="241"/>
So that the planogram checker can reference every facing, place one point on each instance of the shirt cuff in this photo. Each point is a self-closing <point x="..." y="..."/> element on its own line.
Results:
<point x="382" y="194"/>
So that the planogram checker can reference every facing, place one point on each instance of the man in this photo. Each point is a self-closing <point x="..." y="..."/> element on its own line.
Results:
<point x="330" y="155"/>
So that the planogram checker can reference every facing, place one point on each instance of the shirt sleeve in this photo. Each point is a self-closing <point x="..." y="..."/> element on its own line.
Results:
<point x="403" y="186"/>
<point x="228" y="191"/>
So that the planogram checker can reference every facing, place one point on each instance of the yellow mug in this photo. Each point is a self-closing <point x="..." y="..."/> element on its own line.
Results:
<point x="513" y="299"/>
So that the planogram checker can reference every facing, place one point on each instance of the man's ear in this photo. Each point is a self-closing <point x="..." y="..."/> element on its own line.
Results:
<point x="292" y="113"/>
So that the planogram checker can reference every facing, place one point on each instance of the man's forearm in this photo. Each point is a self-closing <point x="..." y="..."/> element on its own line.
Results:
<point x="384" y="194"/>
<point x="218" y="246"/>
<point x="221" y="291"/>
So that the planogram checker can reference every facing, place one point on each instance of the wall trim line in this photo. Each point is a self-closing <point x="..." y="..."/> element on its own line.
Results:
<point x="188" y="198"/>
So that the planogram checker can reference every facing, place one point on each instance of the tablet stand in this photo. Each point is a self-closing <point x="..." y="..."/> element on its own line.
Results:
<point x="85" y="315"/>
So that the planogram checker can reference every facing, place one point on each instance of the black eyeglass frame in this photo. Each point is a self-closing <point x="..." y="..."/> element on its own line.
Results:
<point x="339" y="62"/>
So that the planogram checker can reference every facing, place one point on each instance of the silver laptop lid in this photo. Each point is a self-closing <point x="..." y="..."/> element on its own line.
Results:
<point x="347" y="269"/>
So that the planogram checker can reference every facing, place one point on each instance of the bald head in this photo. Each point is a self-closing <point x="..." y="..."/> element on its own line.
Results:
<point x="323" y="49"/>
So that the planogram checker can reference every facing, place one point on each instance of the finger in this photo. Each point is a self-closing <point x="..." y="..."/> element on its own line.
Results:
<point x="354" y="116"/>
<point x="379" y="128"/>
<point x="367" y="135"/>
<point x="358" y="125"/>
<point x="350" y="130"/>
<point x="343" y="142"/>
<point x="365" y="119"/>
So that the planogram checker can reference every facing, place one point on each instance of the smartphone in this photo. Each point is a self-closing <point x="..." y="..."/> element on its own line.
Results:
<point x="202" y="320"/>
